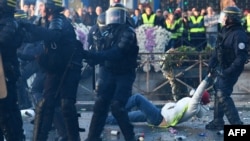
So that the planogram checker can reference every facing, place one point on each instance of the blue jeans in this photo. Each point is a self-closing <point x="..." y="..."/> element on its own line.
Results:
<point x="146" y="111"/>
<point x="211" y="38"/>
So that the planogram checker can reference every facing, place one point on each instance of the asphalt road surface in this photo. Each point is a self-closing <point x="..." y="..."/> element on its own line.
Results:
<point x="193" y="130"/>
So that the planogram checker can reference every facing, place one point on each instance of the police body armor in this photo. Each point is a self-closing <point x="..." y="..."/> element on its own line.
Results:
<point x="10" y="40"/>
<point x="10" y="63"/>
<point x="57" y="54"/>
<point x="128" y="64"/>
<point x="98" y="39"/>
<point x="225" y="56"/>
<point x="60" y="55"/>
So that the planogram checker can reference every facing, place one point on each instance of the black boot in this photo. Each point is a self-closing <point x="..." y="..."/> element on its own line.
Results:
<point x="97" y="124"/>
<point x="11" y="125"/>
<point x="217" y="123"/>
<point x="121" y="116"/>
<point x="43" y="120"/>
<point x="59" y="125"/>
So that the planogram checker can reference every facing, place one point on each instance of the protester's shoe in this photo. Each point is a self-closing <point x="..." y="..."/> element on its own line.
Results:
<point x="215" y="125"/>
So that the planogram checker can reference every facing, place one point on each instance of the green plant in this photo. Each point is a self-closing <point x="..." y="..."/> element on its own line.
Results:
<point x="177" y="58"/>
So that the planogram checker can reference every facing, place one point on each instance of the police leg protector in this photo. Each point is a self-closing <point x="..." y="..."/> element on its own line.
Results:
<point x="100" y="113"/>
<point x="229" y="109"/>
<point x="59" y="124"/>
<point x="121" y="115"/>
<point x="11" y="126"/>
<point x="217" y="123"/>
<point x="70" y="119"/>
<point x="43" y="119"/>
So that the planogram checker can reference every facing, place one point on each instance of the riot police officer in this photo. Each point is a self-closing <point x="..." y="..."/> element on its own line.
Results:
<point x="61" y="62"/>
<point x="10" y="39"/>
<point x="95" y="33"/>
<point x="95" y="39"/>
<point x="228" y="60"/>
<point x="118" y="61"/>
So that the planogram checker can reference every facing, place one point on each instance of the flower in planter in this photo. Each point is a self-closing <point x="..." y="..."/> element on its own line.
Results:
<point x="82" y="32"/>
<point x="151" y="40"/>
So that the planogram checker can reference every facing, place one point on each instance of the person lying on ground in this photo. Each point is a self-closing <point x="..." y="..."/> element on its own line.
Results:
<point x="171" y="113"/>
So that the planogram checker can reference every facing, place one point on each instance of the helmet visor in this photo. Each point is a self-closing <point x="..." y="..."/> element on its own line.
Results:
<point x="221" y="18"/>
<point x="115" y="16"/>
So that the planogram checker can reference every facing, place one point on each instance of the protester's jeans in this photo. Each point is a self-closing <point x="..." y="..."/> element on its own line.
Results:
<point x="145" y="111"/>
<point x="211" y="38"/>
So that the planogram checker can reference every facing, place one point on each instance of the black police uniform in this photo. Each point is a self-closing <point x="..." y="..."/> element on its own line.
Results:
<point x="62" y="64"/>
<point x="95" y="39"/>
<point x="37" y="87"/>
<point x="118" y="61"/>
<point x="229" y="59"/>
<point x="97" y="33"/>
<point x="10" y="39"/>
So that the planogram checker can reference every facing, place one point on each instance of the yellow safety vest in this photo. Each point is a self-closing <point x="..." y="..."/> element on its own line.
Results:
<point x="181" y="28"/>
<point x="248" y="23"/>
<point x="149" y="21"/>
<point x="196" y="21"/>
<point x="172" y="26"/>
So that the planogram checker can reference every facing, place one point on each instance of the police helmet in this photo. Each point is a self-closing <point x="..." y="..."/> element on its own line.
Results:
<point x="54" y="6"/>
<point x="116" y="14"/>
<point x="20" y="14"/>
<point x="7" y="6"/>
<point x="233" y="15"/>
<point x="101" y="20"/>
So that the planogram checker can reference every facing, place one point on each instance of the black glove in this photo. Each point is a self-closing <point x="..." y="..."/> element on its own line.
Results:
<point x="86" y="54"/>
<point x="214" y="72"/>
<point x="91" y="62"/>
<point x="92" y="58"/>
<point x="211" y="71"/>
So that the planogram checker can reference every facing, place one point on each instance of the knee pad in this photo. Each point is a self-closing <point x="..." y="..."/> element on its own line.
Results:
<point x="117" y="108"/>
<point x="220" y="96"/>
<point x="101" y="105"/>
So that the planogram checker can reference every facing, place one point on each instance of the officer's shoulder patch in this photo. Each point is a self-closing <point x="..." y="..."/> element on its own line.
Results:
<point x="241" y="45"/>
